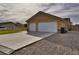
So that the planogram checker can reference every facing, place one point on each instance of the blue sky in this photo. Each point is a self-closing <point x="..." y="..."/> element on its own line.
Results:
<point x="22" y="11"/>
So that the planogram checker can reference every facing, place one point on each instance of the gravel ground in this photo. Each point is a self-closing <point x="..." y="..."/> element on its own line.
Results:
<point x="57" y="44"/>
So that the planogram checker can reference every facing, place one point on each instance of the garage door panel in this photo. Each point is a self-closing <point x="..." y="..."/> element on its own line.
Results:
<point x="32" y="27"/>
<point x="47" y="27"/>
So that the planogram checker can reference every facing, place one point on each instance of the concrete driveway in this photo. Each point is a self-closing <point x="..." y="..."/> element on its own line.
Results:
<point x="12" y="42"/>
<point x="56" y="44"/>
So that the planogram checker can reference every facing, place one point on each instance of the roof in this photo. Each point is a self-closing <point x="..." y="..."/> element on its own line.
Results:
<point x="76" y="24"/>
<point x="6" y="22"/>
<point x="41" y="12"/>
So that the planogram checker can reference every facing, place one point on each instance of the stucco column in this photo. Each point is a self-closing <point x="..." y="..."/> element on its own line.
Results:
<point x="36" y="27"/>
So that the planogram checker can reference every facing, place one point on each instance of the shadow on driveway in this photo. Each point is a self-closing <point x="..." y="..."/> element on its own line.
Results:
<point x="38" y="34"/>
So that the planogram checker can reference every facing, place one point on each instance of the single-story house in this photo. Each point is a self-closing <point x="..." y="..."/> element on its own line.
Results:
<point x="44" y="22"/>
<point x="10" y="26"/>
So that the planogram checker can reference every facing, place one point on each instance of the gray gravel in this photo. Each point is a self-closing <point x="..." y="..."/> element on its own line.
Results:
<point x="57" y="44"/>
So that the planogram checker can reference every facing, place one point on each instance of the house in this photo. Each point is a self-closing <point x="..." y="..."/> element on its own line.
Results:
<point x="44" y="22"/>
<point x="68" y="23"/>
<point x="9" y="26"/>
<point x="75" y="27"/>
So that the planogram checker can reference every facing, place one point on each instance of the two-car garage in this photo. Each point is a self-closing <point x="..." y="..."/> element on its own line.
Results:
<point x="43" y="27"/>
<point x="43" y="22"/>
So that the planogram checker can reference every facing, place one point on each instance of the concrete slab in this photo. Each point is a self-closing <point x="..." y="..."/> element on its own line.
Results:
<point x="12" y="42"/>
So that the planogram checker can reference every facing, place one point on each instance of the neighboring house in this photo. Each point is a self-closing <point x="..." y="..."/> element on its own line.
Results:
<point x="44" y="22"/>
<point x="68" y="23"/>
<point x="75" y="27"/>
<point x="9" y="26"/>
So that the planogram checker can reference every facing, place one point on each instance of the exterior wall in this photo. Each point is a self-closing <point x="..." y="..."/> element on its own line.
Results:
<point x="75" y="28"/>
<point x="42" y="18"/>
<point x="68" y="23"/>
<point x="60" y="24"/>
